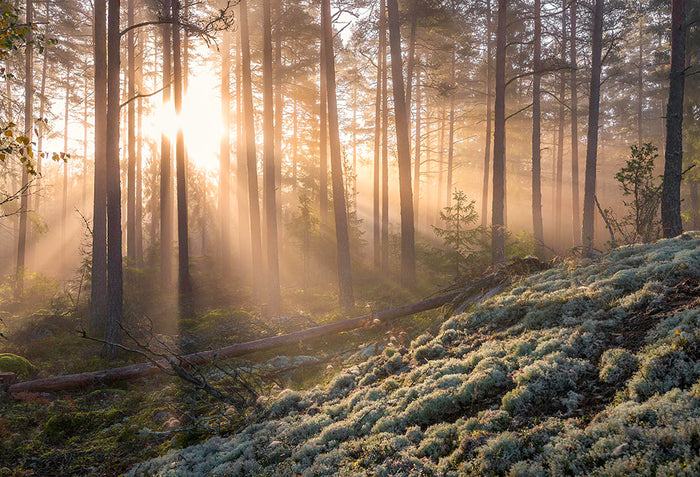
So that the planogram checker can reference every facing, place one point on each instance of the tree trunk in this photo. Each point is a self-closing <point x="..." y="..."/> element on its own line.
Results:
<point x="408" y="247"/>
<point x="251" y="160"/>
<point x="225" y="158"/>
<point x="114" y="213"/>
<point x="441" y="163"/>
<point x="269" y="166"/>
<point x="345" y="295"/>
<point x="242" y="175"/>
<point x="28" y="128"/>
<point x="279" y="115"/>
<point x="183" y="268"/>
<point x="385" y="139"/>
<point x="575" y="200"/>
<point x="131" y="138"/>
<point x="488" y="139"/>
<point x="587" y="237"/>
<point x="98" y="283"/>
<point x="64" y="192"/>
<point x="411" y="55"/>
<point x="451" y="137"/>
<point x="323" y="140"/>
<point x="376" y="226"/>
<point x="499" y="137"/>
<point x="536" y="134"/>
<point x="416" y="152"/>
<point x="166" y="162"/>
<point x="640" y="81"/>
<point x="139" y="155"/>
<point x="560" y="148"/>
<point x="671" y="193"/>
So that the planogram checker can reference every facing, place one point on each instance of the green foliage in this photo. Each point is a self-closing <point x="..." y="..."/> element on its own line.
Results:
<point x="637" y="181"/>
<point x="456" y="234"/>
<point x="16" y="364"/>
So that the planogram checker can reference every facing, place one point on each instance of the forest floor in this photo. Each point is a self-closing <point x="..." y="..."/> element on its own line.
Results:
<point x="590" y="367"/>
<point x="105" y="431"/>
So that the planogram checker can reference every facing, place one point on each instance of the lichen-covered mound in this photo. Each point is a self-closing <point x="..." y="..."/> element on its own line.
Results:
<point x="589" y="368"/>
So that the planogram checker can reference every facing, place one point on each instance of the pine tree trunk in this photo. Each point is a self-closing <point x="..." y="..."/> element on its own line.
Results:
<point x="28" y="128"/>
<point x="560" y="148"/>
<point x="183" y="268"/>
<point x="98" y="282"/>
<point x="575" y="200"/>
<point x="225" y="157"/>
<point x="166" y="163"/>
<point x="640" y="83"/>
<point x="114" y="226"/>
<point x="536" y="135"/>
<point x="345" y="295"/>
<point x="671" y="193"/>
<point x="587" y="238"/>
<point x="376" y="222"/>
<point x="251" y="160"/>
<point x="139" y="156"/>
<point x="408" y="247"/>
<point x="451" y="140"/>
<point x="269" y="166"/>
<point x="488" y="139"/>
<point x="323" y="141"/>
<point x="131" y="138"/>
<point x="416" y="151"/>
<point x="499" y="150"/>
<point x="279" y="114"/>
<point x="64" y="192"/>
<point x="385" y="139"/>
<point x="242" y="193"/>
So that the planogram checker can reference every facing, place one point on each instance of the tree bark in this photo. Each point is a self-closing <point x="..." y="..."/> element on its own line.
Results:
<point x="489" y="113"/>
<point x="269" y="167"/>
<point x="225" y="157"/>
<point x="408" y="247"/>
<point x="575" y="200"/>
<point x="451" y="136"/>
<point x="131" y="138"/>
<point x="376" y="222"/>
<point x="345" y="295"/>
<point x="251" y="160"/>
<point x="416" y="151"/>
<point x="592" y="146"/>
<point x="536" y="135"/>
<point x="166" y="162"/>
<point x="323" y="140"/>
<point x="98" y="283"/>
<point x="385" y="139"/>
<point x="671" y="193"/>
<point x="114" y="214"/>
<point x="183" y="268"/>
<point x="499" y="150"/>
<point x="28" y="128"/>
<point x="64" y="192"/>
<point x="560" y="148"/>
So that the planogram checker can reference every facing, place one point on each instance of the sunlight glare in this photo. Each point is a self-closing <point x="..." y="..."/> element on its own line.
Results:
<point x="200" y="120"/>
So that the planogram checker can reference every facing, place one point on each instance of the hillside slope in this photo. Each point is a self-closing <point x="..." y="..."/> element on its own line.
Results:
<point x="587" y="368"/>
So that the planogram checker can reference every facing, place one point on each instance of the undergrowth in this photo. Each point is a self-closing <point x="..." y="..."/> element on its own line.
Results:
<point x="588" y="368"/>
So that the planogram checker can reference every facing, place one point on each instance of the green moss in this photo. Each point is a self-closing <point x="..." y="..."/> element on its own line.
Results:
<point x="16" y="364"/>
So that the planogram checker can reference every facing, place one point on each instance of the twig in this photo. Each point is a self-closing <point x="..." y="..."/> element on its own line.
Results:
<point x="613" y="244"/>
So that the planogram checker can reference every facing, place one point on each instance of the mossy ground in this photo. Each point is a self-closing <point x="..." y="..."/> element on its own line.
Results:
<point x="107" y="431"/>
<point x="589" y="368"/>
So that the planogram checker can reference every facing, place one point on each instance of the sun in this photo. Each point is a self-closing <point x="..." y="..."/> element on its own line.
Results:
<point x="200" y="121"/>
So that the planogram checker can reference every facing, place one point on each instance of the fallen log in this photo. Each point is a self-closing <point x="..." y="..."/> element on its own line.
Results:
<point x="125" y="373"/>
